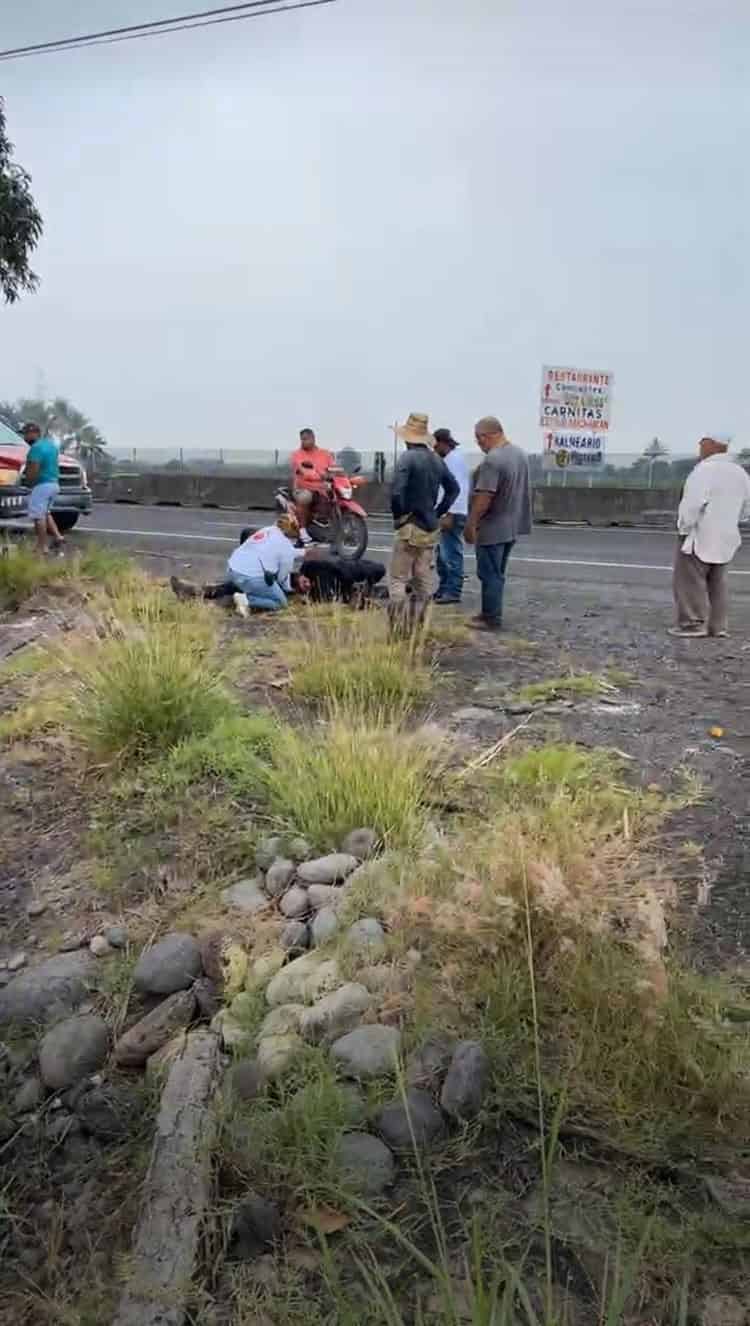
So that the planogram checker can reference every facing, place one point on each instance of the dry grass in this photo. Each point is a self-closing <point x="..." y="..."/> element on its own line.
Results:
<point x="568" y="854"/>
<point x="346" y="658"/>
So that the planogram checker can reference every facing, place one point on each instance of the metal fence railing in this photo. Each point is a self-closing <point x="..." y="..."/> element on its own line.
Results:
<point x="617" y="469"/>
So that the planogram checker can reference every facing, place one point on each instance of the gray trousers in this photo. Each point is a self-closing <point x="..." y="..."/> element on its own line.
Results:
<point x="700" y="592"/>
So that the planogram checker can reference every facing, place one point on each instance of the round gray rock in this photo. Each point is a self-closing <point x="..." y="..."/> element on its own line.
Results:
<point x="73" y="1049"/>
<point x="412" y="1122"/>
<point x="360" y="843"/>
<point x="256" y="1225"/>
<point x="335" y="1013"/>
<point x="294" y="903"/>
<point x="28" y="1096"/>
<point x="247" y="895"/>
<point x="299" y="849"/>
<point x="295" y="937"/>
<point x="365" y="1163"/>
<point x="267" y="850"/>
<point x="281" y="1020"/>
<point x="366" y="935"/>
<point x="171" y="964"/>
<point x="52" y="989"/>
<point x="246" y="1081"/>
<point x="324" y="926"/>
<point x="368" y="1051"/>
<point x="332" y="869"/>
<point x="466" y="1081"/>
<point x="426" y="1066"/>
<point x="116" y="936"/>
<point x="110" y="1112"/>
<point x="323" y="895"/>
<point x="279" y="876"/>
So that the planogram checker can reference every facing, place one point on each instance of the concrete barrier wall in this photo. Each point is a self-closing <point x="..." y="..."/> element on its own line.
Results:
<point x="594" y="506"/>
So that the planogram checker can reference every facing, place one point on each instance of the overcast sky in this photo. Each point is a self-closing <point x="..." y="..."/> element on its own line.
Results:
<point x="337" y="216"/>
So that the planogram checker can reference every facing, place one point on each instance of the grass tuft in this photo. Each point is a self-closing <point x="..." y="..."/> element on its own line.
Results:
<point x="346" y="658"/>
<point x="351" y="773"/>
<point x="139" y="692"/>
<point x="576" y="685"/>
<point x="23" y="572"/>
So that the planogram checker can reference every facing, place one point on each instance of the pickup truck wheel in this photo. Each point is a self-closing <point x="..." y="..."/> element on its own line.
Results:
<point x="65" y="520"/>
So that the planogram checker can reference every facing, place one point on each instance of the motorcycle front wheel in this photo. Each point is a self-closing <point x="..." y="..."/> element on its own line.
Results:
<point x="351" y="536"/>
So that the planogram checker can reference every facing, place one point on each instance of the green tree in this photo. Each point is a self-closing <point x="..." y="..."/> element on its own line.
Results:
<point x="20" y="222"/>
<point x="61" y="419"/>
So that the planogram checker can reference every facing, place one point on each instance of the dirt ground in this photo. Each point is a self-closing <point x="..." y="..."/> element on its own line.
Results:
<point x="661" y="716"/>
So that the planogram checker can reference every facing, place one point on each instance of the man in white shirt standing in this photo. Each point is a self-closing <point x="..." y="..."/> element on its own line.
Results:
<point x="450" y="549"/>
<point x="715" y="495"/>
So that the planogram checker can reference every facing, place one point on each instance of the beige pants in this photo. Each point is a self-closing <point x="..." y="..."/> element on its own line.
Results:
<point x="700" y="592"/>
<point x="411" y="564"/>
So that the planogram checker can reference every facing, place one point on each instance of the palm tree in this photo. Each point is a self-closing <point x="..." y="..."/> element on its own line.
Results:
<point x="655" y="450"/>
<point x="74" y="431"/>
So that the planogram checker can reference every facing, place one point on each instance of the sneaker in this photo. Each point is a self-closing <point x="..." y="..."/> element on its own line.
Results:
<point x="688" y="632"/>
<point x="719" y="635"/>
<point x="304" y="539"/>
<point x="241" y="605"/>
<point x="446" y="598"/>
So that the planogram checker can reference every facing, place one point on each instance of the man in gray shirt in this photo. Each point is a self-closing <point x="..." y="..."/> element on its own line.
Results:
<point x="500" y="511"/>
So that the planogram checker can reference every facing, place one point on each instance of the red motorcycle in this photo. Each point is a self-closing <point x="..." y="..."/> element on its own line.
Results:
<point x="335" y="519"/>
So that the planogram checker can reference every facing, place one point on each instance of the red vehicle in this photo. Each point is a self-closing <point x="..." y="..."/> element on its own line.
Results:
<point x="74" y="498"/>
<point x="336" y="518"/>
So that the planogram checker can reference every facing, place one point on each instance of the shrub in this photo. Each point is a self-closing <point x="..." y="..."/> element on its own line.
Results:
<point x="346" y="658"/>
<point x="338" y="777"/>
<point x="138" y="694"/>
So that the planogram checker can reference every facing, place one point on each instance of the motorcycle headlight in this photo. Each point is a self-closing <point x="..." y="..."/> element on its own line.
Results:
<point x="345" y="490"/>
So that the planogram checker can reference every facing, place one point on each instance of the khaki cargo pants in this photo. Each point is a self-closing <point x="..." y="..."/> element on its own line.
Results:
<point x="700" y="592"/>
<point x="411" y="563"/>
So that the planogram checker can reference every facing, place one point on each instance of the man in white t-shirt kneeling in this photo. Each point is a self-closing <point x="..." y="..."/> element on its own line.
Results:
<point x="261" y="567"/>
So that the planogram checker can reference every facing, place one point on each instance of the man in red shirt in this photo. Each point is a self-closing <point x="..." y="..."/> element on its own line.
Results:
<point x="309" y="466"/>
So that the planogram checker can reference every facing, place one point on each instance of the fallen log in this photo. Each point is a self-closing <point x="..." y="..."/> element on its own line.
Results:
<point x="176" y="1191"/>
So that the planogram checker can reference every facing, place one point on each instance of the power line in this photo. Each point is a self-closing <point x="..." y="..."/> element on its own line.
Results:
<point x="161" y="27"/>
<point x="134" y="27"/>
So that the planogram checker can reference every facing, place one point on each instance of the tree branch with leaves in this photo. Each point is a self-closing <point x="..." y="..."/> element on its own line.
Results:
<point x="20" y="222"/>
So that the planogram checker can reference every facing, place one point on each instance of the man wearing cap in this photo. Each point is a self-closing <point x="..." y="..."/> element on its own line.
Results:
<point x="450" y="549"/>
<point x="417" y="508"/>
<point x="500" y="511"/>
<point x="715" y="495"/>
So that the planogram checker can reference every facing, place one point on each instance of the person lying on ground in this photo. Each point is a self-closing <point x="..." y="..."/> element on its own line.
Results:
<point x="330" y="577"/>
<point x="322" y="576"/>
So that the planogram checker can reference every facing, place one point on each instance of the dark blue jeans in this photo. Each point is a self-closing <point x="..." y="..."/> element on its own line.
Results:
<point x="492" y="560"/>
<point x="450" y="560"/>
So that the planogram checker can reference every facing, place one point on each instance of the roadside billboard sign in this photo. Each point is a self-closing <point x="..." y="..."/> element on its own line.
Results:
<point x="564" y="450"/>
<point x="575" y="398"/>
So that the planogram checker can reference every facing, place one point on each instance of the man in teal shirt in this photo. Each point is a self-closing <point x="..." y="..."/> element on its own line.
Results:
<point x="42" y="474"/>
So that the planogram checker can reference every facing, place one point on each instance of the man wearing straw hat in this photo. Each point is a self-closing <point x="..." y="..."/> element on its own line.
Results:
<point x="715" y="496"/>
<point x="418" y="478"/>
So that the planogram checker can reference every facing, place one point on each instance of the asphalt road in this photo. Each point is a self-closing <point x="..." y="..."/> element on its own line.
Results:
<point x="574" y="555"/>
